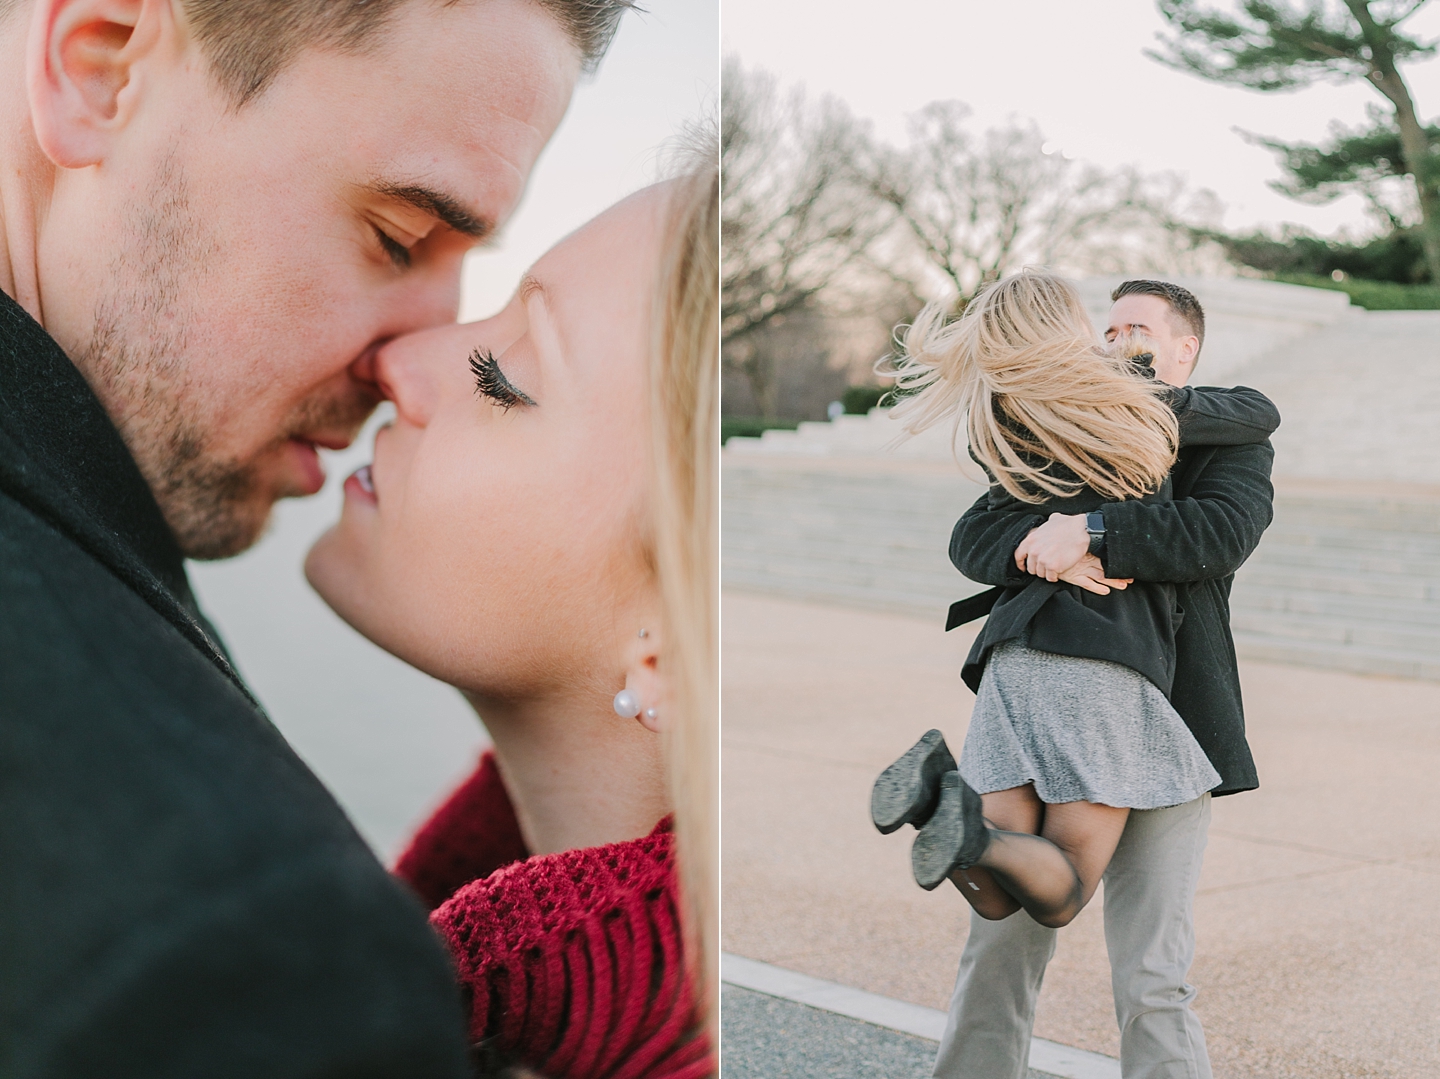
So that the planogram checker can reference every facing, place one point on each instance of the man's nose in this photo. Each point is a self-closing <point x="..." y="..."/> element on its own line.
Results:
<point x="436" y="302"/>
<point x="398" y="367"/>
<point x="432" y="295"/>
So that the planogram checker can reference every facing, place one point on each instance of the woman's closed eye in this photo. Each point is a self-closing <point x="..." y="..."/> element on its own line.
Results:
<point x="491" y="381"/>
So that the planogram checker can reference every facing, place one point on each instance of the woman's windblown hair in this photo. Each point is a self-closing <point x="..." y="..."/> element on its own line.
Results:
<point x="1047" y="411"/>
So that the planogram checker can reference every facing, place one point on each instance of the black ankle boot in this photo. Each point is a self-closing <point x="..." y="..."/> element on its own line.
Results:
<point x="906" y="792"/>
<point x="955" y="836"/>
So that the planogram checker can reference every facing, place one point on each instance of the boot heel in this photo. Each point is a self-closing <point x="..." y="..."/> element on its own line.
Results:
<point x="907" y="791"/>
<point x="953" y="838"/>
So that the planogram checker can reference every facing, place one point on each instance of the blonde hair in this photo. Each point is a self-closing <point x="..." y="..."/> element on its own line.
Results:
<point x="1024" y="369"/>
<point x="685" y="429"/>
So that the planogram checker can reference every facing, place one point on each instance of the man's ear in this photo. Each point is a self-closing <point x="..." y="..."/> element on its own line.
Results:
<point x="83" y="67"/>
<point x="1189" y="349"/>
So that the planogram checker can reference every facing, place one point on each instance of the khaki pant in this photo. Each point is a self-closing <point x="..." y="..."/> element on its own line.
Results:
<point x="1150" y="934"/>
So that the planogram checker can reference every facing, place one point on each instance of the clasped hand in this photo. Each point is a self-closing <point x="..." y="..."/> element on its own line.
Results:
<point x="1059" y="550"/>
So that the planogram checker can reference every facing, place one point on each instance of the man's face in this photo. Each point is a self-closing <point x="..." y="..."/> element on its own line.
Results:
<point x="1140" y="323"/>
<point x="224" y="276"/>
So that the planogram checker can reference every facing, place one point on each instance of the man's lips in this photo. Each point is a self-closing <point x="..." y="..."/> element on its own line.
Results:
<point x="307" y="461"/>
<point x="304" y="453"/>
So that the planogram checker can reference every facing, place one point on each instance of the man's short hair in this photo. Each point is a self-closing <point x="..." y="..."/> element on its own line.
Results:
<point x="1181" y="300"/>
<point x="249" y="41"/>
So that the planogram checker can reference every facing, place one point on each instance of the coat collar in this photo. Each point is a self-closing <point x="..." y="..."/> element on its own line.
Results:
<point x="61" y="456"/>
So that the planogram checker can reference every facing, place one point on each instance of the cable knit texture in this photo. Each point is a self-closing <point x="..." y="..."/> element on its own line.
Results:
<point x="473" y="834"/>
<point x="572" y="962"/>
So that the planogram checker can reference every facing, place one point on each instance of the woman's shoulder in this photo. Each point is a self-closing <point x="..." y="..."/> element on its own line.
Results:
<point x="474" y="833"/>
<point x="599" y="927"/>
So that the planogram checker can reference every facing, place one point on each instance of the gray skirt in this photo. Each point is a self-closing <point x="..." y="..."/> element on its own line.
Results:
<point x="1081" y="730"/>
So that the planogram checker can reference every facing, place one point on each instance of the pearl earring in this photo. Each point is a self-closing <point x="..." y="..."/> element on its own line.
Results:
<point x="644" y="633"/>
<point x="627" y="704"/>
<point x="650" y="714"/>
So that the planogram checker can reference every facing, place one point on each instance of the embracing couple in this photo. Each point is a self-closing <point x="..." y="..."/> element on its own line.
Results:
<point x="1108" y="709"/>
<point x="231" y="228"/>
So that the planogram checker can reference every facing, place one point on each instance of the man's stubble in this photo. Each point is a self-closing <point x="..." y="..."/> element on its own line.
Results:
<point x="140" y="359"/>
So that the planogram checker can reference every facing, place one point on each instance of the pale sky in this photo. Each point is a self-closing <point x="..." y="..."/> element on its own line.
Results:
<point x="662" y="71"/>
<point x="1077" y="69"/>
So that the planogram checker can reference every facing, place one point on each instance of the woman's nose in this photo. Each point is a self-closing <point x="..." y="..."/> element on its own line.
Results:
<point x="406" y="371"/>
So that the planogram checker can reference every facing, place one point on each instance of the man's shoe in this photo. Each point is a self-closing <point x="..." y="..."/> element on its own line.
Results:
<point x="954" y="837"/>
<point x="907" y="791"/>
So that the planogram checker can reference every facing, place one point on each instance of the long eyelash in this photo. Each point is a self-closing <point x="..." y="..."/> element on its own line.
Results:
<point x="398" y="252"/>
<point x="491" y="381"/>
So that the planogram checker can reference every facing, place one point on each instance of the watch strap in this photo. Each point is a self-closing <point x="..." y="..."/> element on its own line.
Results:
<point x="1095" y="525"/>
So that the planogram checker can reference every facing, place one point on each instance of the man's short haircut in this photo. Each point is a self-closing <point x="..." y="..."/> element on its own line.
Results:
<point x="248" y="42"/>
<point x="1181" y="300"/>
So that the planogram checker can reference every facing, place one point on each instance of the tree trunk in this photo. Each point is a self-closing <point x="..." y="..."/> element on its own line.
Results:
<point x="759" y="373"/>
<point x="1414" y="144"/>
<point x="1420" y="162"/>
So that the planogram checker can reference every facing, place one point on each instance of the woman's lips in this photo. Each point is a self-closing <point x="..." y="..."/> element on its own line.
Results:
<point x="361" y="485"/>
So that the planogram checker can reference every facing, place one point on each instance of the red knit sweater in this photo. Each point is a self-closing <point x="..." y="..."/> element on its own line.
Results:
<point x="571" y="962"/>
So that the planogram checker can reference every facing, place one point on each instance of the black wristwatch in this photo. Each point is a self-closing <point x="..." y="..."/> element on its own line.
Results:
<point x="1095" y="525"/>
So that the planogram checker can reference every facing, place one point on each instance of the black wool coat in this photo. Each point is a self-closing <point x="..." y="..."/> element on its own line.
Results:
<point x="179" y="895"/>
<point x="1182" y="548"/>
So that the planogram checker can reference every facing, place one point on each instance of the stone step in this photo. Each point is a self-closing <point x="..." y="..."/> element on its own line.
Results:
<point x="1291" y="529"/>
<point x="925" y="544"/>
<point x="1286" y="612"/>
<point x="795" y="517"/>
<point x="1338" y="657"/>
<point x="1303" y="579"/>
<point x="939" y="584"/>
<point x="1365" y="634"/>
<point x="1352" y="584"/>
<point x="920" y="603"/>
<point x="1360" y="521"/>
<point x="1353" y="560"/>
<point x="1321" y="568"/>
<point x="1260" y="598"/>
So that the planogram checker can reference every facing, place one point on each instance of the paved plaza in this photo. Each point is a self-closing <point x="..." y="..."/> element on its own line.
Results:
<point x="769" y="1038"/>
<point x="1319" y="908"/>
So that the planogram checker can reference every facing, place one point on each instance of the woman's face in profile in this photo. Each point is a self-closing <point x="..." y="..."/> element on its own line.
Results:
<point x="496" y="541"/>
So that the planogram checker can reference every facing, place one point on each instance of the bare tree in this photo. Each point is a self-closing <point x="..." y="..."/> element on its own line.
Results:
<point x="972" y="208"/>
<point x="823" y="225"/>
<point x="794" y="220"/>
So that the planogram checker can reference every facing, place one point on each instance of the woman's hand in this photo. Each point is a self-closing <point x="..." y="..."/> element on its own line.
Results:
<point x="1055" y="547"/>
<point x="1089" y="574"/>
<point x="1059" y="550"/>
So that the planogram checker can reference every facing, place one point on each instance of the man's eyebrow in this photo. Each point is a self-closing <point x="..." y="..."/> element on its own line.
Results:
<point x="444" y="208"/>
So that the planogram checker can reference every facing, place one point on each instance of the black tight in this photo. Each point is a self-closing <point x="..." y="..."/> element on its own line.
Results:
<point x="1044" y="859"/>
<point x="1034" y="873"/>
